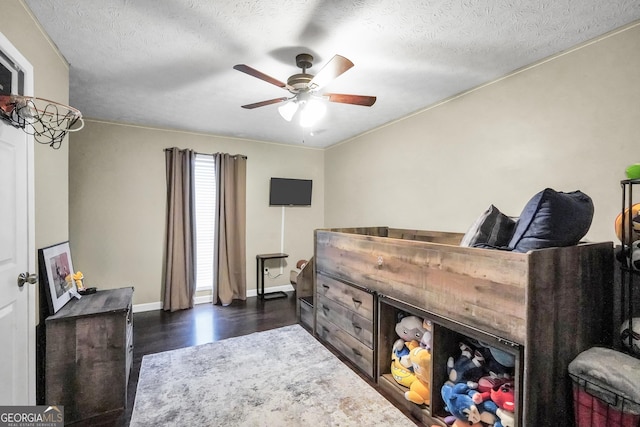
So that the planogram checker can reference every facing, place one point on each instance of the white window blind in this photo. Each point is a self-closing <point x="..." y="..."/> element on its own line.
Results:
<point x="205" y="197"/>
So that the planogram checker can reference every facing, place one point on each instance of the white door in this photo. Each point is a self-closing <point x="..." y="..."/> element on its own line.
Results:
<point x="17" y="255"/>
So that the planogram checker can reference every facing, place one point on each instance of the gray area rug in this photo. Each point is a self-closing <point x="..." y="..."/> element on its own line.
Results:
<point x="281" y="377"/>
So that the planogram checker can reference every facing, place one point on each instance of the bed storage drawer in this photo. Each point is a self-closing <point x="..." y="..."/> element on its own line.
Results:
<point x="348" y="346"/>
<point x="345" y="319"/>
<point x="355" y="299"/>
<point x="355" y="325"/>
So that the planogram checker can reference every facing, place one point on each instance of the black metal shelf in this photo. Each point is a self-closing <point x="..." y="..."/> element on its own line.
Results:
<point x="629" y="277"/>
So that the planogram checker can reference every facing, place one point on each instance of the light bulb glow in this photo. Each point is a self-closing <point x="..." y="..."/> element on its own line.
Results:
<point x="288" y="109"/>
<point x="312" y="111"/>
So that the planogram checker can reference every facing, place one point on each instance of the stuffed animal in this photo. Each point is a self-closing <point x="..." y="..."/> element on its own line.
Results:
<point x="501" y="395"/>
<point x="420" y="389"/>
<point x="456" y="400"/>
<point x="505" y="418"/>
<point x="469" y="367"/>
<point x="459" y="402"/>
<point x="497" y="362"/>
<point x="425" y="341"/>
<point x="401" y="350"/>
<point x="504" y="397"/>
<point x="486" y="383"/>
<point x="78" y="277"/>
<point x="400" y="373"/>
<point x="460" y="423"/>
<point x="410" y="328"/>
<point x="410" y="331"/>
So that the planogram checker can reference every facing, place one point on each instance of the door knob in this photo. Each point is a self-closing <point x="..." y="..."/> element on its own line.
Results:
<point x="27" y="278"/>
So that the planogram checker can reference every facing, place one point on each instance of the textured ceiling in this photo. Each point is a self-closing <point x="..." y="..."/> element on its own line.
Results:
<point x="168" y="63"/>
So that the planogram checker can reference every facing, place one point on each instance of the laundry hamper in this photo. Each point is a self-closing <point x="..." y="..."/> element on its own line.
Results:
<point x="606" y="388"/>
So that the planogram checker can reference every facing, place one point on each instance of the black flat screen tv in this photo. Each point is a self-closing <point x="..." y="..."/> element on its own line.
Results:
<point x="290" y="192"/>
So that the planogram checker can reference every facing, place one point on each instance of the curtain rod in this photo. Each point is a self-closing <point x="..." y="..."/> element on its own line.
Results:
<point x="210" y="154"/>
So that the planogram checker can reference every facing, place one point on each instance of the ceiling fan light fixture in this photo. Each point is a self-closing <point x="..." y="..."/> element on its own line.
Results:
<point x="312" y="112"/>
<point x="307" y="106"/>
<point x="288" y="109"/>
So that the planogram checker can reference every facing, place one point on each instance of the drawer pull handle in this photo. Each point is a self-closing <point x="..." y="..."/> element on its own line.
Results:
<point x="325" y="286"/>
<point x="356" y="352"/>
<point x="356" y="302"/>
<point x="325" y="309"/>
<point x="357" y="327"/>
<point x="325" y="329"/>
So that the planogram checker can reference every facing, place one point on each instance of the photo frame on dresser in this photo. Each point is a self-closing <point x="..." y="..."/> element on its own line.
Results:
<point x="54" y="263"/>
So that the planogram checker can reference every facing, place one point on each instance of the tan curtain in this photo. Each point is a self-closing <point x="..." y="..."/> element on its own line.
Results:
<point x="230" y="254"/>
<point x="180" y="268"/>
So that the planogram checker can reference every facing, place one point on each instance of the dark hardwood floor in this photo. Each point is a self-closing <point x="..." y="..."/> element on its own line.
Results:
<point x="157" y="331"/>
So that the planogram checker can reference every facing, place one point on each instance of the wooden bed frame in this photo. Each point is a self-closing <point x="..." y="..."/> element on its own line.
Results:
<point x="546" y="305"/>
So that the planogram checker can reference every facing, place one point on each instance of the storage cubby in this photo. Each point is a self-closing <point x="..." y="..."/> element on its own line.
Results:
<point x="388" y="315"/>
<point x="446" y="338"/>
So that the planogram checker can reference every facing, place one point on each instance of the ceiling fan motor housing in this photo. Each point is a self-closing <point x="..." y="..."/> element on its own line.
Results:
<point x="299" y="81"/>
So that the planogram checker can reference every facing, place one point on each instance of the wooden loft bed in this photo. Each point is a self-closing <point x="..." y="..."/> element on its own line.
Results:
<point x="544" y="306"/>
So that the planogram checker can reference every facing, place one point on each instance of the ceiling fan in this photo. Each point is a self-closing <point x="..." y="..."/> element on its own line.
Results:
<point x="306" y="99"/>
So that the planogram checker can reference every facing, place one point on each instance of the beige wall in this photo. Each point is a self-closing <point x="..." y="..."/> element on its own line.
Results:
<point x="118" y="195"/>
<point x="568" y="123"/>
<point x="51" y="81"/>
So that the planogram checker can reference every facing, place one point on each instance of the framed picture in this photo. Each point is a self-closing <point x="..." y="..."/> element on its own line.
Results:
<point x="55" y="265"/>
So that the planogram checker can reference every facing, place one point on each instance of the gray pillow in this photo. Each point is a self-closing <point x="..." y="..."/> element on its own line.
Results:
<point x="552" y="219"/>
<point x="492" y="229"/>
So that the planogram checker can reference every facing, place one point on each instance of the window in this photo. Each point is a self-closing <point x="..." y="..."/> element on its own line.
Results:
<point x="205" y="197"/>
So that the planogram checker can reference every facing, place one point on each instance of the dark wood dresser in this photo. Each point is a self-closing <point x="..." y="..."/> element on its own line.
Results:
<point x="89" y="354"/>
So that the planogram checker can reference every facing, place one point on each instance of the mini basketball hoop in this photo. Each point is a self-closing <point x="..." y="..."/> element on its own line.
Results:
<point x="48" y="121"/>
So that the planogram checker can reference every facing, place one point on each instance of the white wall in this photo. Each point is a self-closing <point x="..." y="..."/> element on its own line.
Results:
<point x="118" y="203"/>
<point x="568" y="123"/>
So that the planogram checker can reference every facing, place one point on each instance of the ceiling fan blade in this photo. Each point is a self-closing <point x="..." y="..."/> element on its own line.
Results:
<point x="366" y="101"/>
<point x="333" y="69"/>
<point x="263" y="103"/>
<point x="262" y="76"/>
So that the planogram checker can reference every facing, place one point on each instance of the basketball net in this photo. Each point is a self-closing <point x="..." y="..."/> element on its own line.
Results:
<point x="48" y="121"/>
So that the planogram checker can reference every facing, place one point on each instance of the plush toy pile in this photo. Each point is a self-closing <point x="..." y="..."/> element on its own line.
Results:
<point x="411" y="358"/>
<point x="480" y="390"/>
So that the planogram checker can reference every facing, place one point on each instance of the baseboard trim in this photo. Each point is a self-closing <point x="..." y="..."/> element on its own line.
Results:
<point x="204" y="299"/>
<point x="150" y="306"/>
